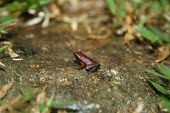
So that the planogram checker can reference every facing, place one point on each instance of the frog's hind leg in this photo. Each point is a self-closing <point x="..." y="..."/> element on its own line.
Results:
<point x="92" y="68"/>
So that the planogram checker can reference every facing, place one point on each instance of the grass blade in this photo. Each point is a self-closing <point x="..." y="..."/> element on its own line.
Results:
<point x="2" y="48"/>
<point x="148" y="34"/>
<point x="122" y="12"/>
<point x="45" y="108"/>
<point x="158" y="87"/>
<point x="158" y="74"/>
<point x="27" y="96"/>
<point x="166" y="102"/>
<point x="112" y="6"/>
<point x="6" y="22"/>
<point x="2" y="102"/>
<point x="143" y="21"/>
<point x="3" y="31"/>
<point x="164" y="70"/>
<point x="162" y="37"/>
<point x="164" y="3"/>
<point x="16" y="6"/>
<point x="49" y="102"/>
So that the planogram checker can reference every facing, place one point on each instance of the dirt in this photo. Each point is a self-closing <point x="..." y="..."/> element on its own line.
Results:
<point x="118" y="86"/>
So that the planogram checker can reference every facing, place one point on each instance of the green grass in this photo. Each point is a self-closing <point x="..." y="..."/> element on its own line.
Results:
<point x="4" y="22"/>
<point x="23" y="6"/>
<point x="18" y="7"/>
<point x="26" y="97"/>
<point x="44" y="108"/>
<point x="164" y="74"/>
<point x="118" y="11"/>
<point x="2" y="49"/>
<point x="112" y="6"/>
<point x="27" y="101"/>
<point x="153" y="6"/>
<point x="156" y="7"/>
<point x="148" y="34"/>
<point x="154" y="35"/>
<point x="162" y="37"/>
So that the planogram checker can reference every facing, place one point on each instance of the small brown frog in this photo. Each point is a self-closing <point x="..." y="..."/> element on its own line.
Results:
<point x="85" y="62"/>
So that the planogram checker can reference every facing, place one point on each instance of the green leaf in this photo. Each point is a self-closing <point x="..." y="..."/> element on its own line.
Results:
<point x="49" y="103"/>
<point x="5" y="18"/>
<point x="143" y="21"/>
<point x="164" y="3"/>
<point x="158" y="74"/>
<point x="164" y="70"/>
<point x="2" y="102"/>
<point x="116" y="25"/>
<point x="148" y="34"/>
<point x="50" y="100"/>
<point x="122" y="12"/>
<point x="112" y="6"/>
<point x="3" y="31"/>
<point x="38" y="3"/>
<point x="158" y="87"/>
<point x="156" y="7"/>
<point x="166" y="102"/>
<point x="5" y="23"/>
<point x="27" y="96"/>
<point x="44" y="2"/>
<point x="42" y="107"/>
<point x="2" y="48"/>
<point x="163" y="37"/>
<point x="16" y="6"/>
<point x="31" y="2"/>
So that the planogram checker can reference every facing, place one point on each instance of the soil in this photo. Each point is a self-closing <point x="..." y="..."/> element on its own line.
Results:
<point x="119" y="86"/>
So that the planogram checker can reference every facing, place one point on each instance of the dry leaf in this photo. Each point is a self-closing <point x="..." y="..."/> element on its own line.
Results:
<point x="164" y="52"/>
<point x="129" y="19"/>
<point x="46" y="21"/>
<point x="129" y="8"/>
<point x="139" y="108"/>
<point x="129" y="28"/>
<point x="34" y="21"/>
<point x="54" y="10"/>
<point x="75" y="4"/>
<point x="4" y="90"/>
<point x="104" y="34"/>
<point x="121" y="31"/>
<point x="17" y="59"/>
<point x="2" y="64"/>
<point x="128" y="37"/>
<point x="9" y="105"/>
<point x="40" y="100"/>
<point x="9" y="50"/>
<point x="75" y="21"/>
<point x="10" y="27"/>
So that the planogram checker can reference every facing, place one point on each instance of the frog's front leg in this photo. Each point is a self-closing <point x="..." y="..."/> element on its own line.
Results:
<point x="82" y="65"/>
